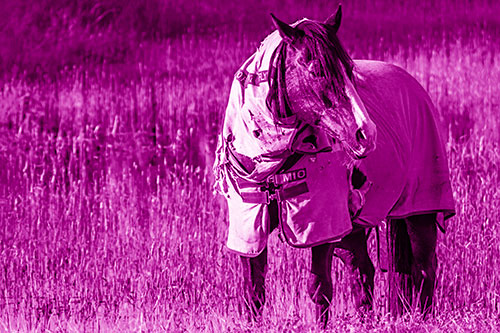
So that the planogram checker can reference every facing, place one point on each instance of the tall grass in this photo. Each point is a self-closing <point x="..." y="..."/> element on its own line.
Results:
<point x="108" y="222"/>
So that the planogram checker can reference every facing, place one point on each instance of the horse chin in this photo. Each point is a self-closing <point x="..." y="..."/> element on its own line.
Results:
<point x="356" y="153"/>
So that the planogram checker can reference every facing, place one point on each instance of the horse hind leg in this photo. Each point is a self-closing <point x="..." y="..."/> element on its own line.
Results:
<point x="320" y="287"/>
<point x="422" y="232"/>
<point x="400" y="283"/>
<point x="413" y="248"/>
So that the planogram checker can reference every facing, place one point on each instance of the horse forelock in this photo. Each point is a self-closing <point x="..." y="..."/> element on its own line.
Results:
<point x="324" y="45"/>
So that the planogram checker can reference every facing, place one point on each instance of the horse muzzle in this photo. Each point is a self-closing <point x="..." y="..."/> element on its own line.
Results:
<point x="364" y="144"/>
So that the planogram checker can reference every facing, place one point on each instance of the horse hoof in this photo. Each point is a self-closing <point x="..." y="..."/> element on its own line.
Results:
<point x="322" y="315"/>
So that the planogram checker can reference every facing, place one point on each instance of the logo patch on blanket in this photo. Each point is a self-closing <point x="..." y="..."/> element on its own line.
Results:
<point x="290" y="176"/>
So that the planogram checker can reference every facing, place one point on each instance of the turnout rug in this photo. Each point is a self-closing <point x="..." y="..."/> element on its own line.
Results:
<point x="408" y="169"/>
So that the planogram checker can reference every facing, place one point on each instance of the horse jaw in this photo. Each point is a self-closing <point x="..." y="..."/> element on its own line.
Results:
<point x="361" y="139"/>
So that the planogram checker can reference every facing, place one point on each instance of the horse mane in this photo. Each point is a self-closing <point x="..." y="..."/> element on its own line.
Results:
<point x="324" y="45"/>
<point x="277" y="97"/>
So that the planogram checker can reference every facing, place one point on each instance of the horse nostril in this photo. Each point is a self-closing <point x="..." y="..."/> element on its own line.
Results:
<point x="360" y="136"/>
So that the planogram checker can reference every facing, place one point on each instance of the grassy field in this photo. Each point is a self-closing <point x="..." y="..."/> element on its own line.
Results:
<point x="107" y="219"/>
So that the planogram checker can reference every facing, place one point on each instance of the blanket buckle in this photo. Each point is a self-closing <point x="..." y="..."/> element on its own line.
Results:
<point x="271" y="189"/>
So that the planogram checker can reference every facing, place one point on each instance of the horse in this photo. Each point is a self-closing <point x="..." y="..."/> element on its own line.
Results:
<point x="300" y="116"/>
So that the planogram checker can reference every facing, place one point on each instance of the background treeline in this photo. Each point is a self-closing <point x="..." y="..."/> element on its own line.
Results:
<point x="45" y="35"/>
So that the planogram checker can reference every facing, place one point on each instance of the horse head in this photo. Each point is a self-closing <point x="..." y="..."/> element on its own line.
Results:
<point x="318" y="78"/>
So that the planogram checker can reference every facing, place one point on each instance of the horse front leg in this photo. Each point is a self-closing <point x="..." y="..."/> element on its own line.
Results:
<point x="352" y="250"/>
<point x="254" y="279"/>
<point x="255" y="271"/>
<point x="320" y="287"/>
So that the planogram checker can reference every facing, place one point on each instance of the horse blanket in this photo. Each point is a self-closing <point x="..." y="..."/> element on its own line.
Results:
<point x="253" y="146"/>
<point x="409" y="168"/>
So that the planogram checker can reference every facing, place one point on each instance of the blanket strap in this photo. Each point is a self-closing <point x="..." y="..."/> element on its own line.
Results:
<point x="264" y="195"/>
<point x="273" y="188"/>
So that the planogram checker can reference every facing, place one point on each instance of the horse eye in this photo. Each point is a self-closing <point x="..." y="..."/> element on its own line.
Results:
<point x="307" y="56"/>
<point x="328" y="103"/>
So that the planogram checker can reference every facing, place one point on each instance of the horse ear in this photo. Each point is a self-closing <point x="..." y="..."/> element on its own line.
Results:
<point x="334" y="19"/>
<point x="288" y="33"/>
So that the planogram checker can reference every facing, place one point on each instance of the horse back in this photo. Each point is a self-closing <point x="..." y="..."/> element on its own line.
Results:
<point x="409" y="168"/>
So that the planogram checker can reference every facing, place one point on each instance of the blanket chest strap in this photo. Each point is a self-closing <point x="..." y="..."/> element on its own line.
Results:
<point x="264" y="195"/>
